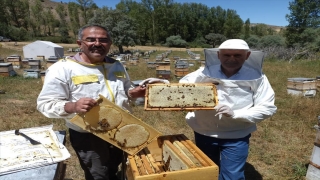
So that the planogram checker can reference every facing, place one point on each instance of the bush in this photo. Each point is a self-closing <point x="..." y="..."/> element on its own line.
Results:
<point x="176" y="41"/>
<point x="253" y="41"/>
<point x="272" y="41"/>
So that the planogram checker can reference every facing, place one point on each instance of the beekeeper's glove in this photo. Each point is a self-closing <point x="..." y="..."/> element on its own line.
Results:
<point x="224" y="110"/>
<point x="153" y="80"/>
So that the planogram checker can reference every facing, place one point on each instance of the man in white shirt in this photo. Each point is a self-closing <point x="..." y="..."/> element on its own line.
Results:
<point x="245" y="98"/>
<point x="72" y="85"/>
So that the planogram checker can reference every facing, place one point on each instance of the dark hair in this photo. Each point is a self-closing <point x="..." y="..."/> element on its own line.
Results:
<point x="80" y="32"/>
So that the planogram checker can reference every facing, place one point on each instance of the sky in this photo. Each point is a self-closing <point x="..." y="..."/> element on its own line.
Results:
<point x="270" y="12"/>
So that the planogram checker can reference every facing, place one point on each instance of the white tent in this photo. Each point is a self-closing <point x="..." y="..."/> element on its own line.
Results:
<point x="42" y="48"/>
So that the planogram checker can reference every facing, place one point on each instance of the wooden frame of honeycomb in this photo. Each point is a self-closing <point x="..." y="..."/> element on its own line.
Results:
<point x="181" y="96"/>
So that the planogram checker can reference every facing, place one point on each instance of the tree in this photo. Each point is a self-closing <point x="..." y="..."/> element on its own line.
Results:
<point x="37" y="14"/>
<point x="176" y="41"/>
<point x="85" y="6"/>
<point x="247" y="29"/>
<point x="120" y="26"/>
<point x="260" y="30"/>
<point x="310" y="39"/>
<point x="74" y="17"/>
<point x="303" y="14"/>
<point x="49" y="21"/>
<point x="219" y="17"/>
<point x="63" y="28"/>
<point x="215" y="39"/>
<point x="233" y="25"/>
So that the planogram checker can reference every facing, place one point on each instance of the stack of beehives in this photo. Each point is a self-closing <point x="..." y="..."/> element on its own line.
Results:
<point x="163" y="70"/>
<point x="181" y="68"/>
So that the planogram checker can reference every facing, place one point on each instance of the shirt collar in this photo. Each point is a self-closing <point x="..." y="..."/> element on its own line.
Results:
<point x="233" y="76"/>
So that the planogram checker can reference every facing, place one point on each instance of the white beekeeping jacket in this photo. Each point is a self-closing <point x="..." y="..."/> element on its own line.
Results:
<point x="251" y="100"/>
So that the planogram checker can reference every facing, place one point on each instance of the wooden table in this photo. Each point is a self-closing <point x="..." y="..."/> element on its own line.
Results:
<point x="54" y="171"/>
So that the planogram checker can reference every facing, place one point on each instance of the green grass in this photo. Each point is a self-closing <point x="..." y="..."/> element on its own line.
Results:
<point x="279" y="149"/>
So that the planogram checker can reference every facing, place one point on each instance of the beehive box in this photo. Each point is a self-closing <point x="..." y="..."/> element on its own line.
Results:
<point x="15" y="60"/>
<point x="163" y="66"/>
<point x="181" y="96"/>
<point x="163" y="74"/>
<point x="34" y="63"/>
<point x="176" y="57"/>
<point x="25" y="63"/>
<point x="179" y="72"/>
<point x="31" y="73"/>
<point x="6" y="70"/>
<point x="6" y="67"/>
<point x="152" y="65"/>
<point x="181" y="65"/>
<point x="301" y="83"/>
<point x="302" y="86"/>
<point x="172" y="157"/>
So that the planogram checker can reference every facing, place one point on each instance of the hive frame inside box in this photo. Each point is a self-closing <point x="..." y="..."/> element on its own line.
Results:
<point x="127" y="119"/>
<point x="183" y="93"/>
<point x="151" y="156"/>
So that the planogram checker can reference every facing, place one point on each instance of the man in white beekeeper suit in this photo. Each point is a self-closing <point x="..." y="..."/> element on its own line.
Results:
<point x="73" y="85"/>
<point x="245" y="98"/>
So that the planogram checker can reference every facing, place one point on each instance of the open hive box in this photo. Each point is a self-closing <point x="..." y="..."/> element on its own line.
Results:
<point x="171" y="157"/>
<point x="181" y="96"/>
<point x="116" y="126"/>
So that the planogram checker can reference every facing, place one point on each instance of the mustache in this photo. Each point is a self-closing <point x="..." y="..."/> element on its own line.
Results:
<point x="96" y="48"/>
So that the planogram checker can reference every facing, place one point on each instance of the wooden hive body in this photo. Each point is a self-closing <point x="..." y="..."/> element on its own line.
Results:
<point x="301" y="83"/>
<point x="151" y="65"/>
<point x="15" y="60"/>
<point x="171" y="157"/>
<point x="179" y="72"/>
<point x="302" y="86"/>
<point x="6" y="67"/>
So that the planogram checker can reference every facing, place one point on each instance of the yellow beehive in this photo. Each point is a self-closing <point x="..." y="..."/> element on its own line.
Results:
<point x="171" y="158"/>
<point x="180" y="72"/>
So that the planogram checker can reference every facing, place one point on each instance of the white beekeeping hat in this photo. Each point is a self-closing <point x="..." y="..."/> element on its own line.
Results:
<point x="234" y="44"/>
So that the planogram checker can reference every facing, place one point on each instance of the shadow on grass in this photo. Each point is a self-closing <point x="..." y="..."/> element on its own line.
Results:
<point x="251" y="173"/>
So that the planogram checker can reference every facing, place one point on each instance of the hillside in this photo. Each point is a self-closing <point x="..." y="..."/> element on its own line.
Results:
<point x="52" y="4"/>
